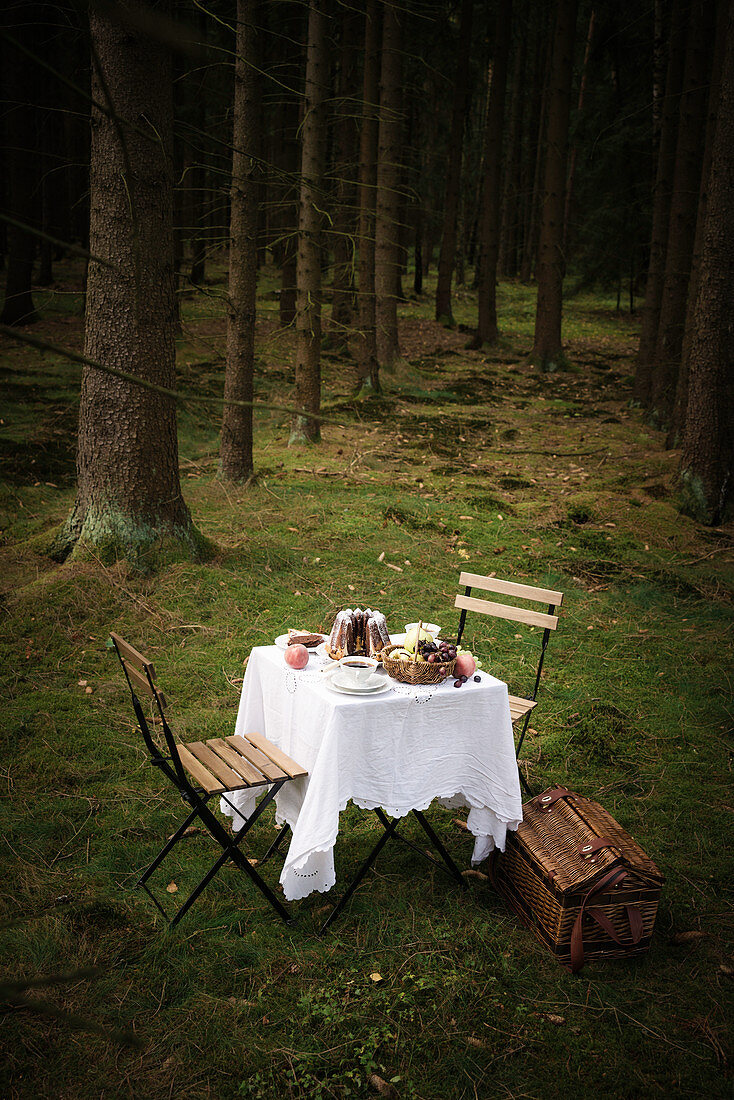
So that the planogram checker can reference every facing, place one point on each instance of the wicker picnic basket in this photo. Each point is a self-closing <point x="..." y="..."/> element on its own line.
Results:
<point x="579" y="880"/>
<point x="415" y="672"/>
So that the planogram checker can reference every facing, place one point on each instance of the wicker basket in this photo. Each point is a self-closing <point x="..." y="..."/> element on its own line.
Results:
<point x="415" y="672"/>
<point x="579" y="880"/>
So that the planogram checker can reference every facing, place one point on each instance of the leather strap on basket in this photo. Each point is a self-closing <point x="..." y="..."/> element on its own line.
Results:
<point x="547" y="800"/>
<point x="577" y="936"/>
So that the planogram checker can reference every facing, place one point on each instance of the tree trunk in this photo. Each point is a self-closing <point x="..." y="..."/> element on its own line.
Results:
<point x="447" y="255"/>
<point x="507" y="261"/>
<point x="387" y="228"/>
<point x="305" y="427"/>
<point x="345" y="155"/>
<point x="368" y="374"/>
<point x="489" y="242"/>
<point x="707" y="463"/>
<point x="683" y="204"/>
<point x="129" y="500"/>
<point x="568" y="209"/>
<point x="678" y="418"/>
<point x="547" y="350"/>
<point x="19" y="78"/>
<point x="533" y="164"/>
<point x="661" y="203"/>
<point x="236" y="445"/>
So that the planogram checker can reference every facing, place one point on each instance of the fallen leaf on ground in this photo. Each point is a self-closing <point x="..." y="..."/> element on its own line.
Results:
<point x="376" y="977"/>
<point x="557" y="1020"/>
<point x="172" y="888"/>
<point x="471" y="873"/>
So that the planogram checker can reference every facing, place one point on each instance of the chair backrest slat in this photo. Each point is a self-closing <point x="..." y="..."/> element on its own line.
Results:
<point x="132" y="656"/>
<point x="506" y="611"/>
<point x="511" y="588"/>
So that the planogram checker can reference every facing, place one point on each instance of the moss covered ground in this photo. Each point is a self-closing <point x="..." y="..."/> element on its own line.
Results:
<point x="469" y="460"/>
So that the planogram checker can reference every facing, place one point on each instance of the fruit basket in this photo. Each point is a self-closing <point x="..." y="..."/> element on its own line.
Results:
<point x="414" y="671"/>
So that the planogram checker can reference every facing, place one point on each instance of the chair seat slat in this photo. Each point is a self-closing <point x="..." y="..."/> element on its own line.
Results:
<point x="506" y="611"/>
<point x="195" y="768"/>
<point x="289" y="766"/>
<point x="260" y="761"/>
<point x="250" y="775"/>
<point x="520" y="707"/>
<point x="215" y="765"/>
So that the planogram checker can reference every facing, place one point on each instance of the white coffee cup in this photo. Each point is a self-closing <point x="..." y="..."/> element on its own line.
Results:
<point x="356" y="670"/>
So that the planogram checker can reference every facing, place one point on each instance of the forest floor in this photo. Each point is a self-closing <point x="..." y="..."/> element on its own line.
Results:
<point x="470" y="460"/>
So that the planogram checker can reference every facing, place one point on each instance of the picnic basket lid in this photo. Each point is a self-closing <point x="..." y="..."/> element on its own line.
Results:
<point x="575" y="841"/>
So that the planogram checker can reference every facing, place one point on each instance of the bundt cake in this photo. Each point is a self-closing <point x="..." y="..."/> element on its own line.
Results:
<point x="357" y="631"/>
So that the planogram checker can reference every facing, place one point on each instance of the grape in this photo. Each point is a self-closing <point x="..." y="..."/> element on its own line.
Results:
<point x="477" y="679"/>
<point x="457" y="683"/>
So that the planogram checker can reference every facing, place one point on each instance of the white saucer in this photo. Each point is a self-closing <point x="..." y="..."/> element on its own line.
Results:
<point x="368" y="689"/>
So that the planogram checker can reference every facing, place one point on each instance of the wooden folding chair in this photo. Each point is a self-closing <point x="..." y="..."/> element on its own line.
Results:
<point x="520" y="707"/>
<point x="200" y="770"/>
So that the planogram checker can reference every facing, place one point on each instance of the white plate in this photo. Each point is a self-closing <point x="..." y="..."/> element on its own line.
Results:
<point x="334" y="683"/>
<point x="282" y="643"/>
<point x="432" y="628"/>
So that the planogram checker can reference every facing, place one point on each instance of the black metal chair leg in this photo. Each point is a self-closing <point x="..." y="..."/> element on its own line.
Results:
<point x="432" y="836"/>
<point x="283" y="833"/>
<point x="390" y="829"/>
<point x="167" y="848"/>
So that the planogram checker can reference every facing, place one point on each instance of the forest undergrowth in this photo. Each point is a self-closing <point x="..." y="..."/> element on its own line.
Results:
<point x="468" y="460"/>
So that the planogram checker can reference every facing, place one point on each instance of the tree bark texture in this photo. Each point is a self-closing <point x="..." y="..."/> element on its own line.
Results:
<point x="129" y="500"/>
<point x="508" y="254"/>
<point x="305" y="426"/>
<point x="683" y="205"/>
<point x="236" y="444"/>
<point x="452" y="192"/>
<point x="489" y="243"/>
<point x="535" y="159"/>
<point x="661" y="202"/>
<point x="345" y="171"/>
<point x="368" y="374"/>
<point x="547" y="350"/>
<point x="707" y="462"/>
<point x="387" y="218"/>
<point x="571" y="178"/>
<point x="678" y="418"/>
<point x="18" y="83"/>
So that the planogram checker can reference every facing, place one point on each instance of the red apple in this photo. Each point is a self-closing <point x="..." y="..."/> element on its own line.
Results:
<point x="296" y="656"/>
<point x="465" y="665"/>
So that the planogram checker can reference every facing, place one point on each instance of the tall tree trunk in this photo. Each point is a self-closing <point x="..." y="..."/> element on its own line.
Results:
<point x="345" y="158"/>
<point x="707" y="462"/>
<point x="285" y="153"/>
<point x="547" y="350"/>
<point x="387" y="227"/>
<point x="683" y="204"/>
<point x="18" y="82"/>
<point x="678" y="418"/>
<point x="368" y="374"/>
<point x="489" y="243"/>
<point x="534" y="163"/>
<point x="306" y="428"/>
<point x="507" y="261"/>
<point x="129" y="498"/>
<point x="568" y="209"/>
<point x="661" y="202"/>
<point x="236" y="445"/>
<point x="447" y="255"/>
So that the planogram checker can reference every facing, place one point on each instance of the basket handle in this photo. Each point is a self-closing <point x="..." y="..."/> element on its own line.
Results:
<point x="613" y="878"/>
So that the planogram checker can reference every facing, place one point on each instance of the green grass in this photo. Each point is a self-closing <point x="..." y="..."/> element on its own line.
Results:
<point x="470" y="460"/>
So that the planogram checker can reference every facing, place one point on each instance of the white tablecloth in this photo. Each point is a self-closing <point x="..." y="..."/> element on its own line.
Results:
<point x="397" y="750"/>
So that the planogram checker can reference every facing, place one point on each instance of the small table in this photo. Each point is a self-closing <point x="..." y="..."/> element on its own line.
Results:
<point x="396" y="750"/>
